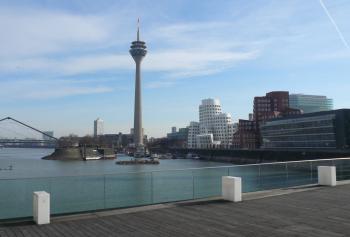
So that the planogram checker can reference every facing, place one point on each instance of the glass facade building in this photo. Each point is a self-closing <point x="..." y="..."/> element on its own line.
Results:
<point x="320" y="130"/>
<point x="310" y="103"/>
<point x="182" y="134"/>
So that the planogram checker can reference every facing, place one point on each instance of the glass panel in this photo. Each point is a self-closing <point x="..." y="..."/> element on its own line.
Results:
<point x="343" y="169"/>
<point x="16" y="196"/>
<point x="76" y="194"/>
<point x="172" y="186"/>
<point x="250" y="177"/>
<point x="273" y="176"/>
<point x="299" y="173"/>
<point x="123" y="190"/>
<point x="207" y="182"/>
<point x="316" y="163"/>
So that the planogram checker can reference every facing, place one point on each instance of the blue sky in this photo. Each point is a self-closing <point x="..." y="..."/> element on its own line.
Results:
<point x="64" y="63"/>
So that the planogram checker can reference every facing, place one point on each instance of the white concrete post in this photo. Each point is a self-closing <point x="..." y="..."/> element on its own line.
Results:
<point x="327" y="175"/>
<point x="41" y="207"/>
<point x="232" y="188"/>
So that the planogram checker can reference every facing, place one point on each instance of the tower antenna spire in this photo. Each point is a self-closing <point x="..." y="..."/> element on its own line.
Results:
<point x="138" y="29"/>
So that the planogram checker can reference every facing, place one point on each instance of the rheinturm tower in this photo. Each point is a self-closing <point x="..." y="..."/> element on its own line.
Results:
<point x="138" y="52"/>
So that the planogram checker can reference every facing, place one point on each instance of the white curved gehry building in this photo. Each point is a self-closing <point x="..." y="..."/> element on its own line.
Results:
<point x="193" y="131"/>
<point x="215" y="128"/>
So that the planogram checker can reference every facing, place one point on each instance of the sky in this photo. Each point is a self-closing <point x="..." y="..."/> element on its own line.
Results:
<point x="65" y="63"/>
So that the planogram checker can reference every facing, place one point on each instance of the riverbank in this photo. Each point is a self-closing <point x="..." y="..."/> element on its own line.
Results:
<point x="81" y="153"/>
<point x="260" y="156"/>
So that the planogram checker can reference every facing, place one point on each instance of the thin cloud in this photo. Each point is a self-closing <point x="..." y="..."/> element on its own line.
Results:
<point x="175" y="62"/>
<point x="48" y="89"/>
<point x="33" y="32"/>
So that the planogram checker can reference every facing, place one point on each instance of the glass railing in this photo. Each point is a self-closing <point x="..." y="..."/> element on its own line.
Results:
<point x="97" y="192"/>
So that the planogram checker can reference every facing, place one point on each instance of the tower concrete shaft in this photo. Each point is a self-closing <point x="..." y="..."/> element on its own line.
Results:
<point x="138" y="136"/>
<point x="138" y="52"/>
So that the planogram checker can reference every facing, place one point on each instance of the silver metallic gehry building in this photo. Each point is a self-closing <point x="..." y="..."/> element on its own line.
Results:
<point x="138" y="52"/>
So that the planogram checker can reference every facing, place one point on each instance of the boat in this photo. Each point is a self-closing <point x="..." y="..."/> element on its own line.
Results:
<point x="93" y="158"/>
<point x="192" y="156"/>
<point x="154" y="156"/>
<point x="166" y="156"/>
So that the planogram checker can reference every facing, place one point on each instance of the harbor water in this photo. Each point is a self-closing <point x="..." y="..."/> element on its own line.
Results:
<point x="80" y="186"/>
<point x="27" y="163"/>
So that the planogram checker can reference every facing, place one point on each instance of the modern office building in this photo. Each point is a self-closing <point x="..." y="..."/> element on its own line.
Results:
<point x="138" y="52"/>
<point x="98" y="127"/>
<point x="215" y="129"/>
<point x="178" y="138"/>
<point x="320" y="130"/>
<point x="181" y="134"/>
<point x="310" y="103"/>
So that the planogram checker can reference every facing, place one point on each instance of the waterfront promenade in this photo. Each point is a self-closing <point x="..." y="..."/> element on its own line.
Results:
<point x="312" y="211"/>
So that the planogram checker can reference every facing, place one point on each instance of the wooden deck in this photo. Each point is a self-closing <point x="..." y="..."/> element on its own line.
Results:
<point x="318" y="212"/>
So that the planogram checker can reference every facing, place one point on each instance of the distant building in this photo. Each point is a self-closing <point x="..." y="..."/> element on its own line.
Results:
<point x="173" y="130"/>
<point x="310" y="103"/>
<point x="246" y="136"/>
<point x="206" y="140"/>
<point x="251" y="118"/>
<point x="178" y="138"/>
<point x="182" y="134"/>
<point x="320" y="130"/>
<point x="50" y="133"/>
<point x="193" y="131"/>
<point x="274" y="104"/>
<point x="98" y="127"/>
<point x="215" y="129"/>
<point x="118" y="140"/>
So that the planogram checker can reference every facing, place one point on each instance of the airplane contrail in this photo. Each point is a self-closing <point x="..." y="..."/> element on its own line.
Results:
<point x="341" y="36"/>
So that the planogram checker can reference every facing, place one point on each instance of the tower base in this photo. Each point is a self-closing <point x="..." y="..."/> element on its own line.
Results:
<point x="140" y="151"/>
